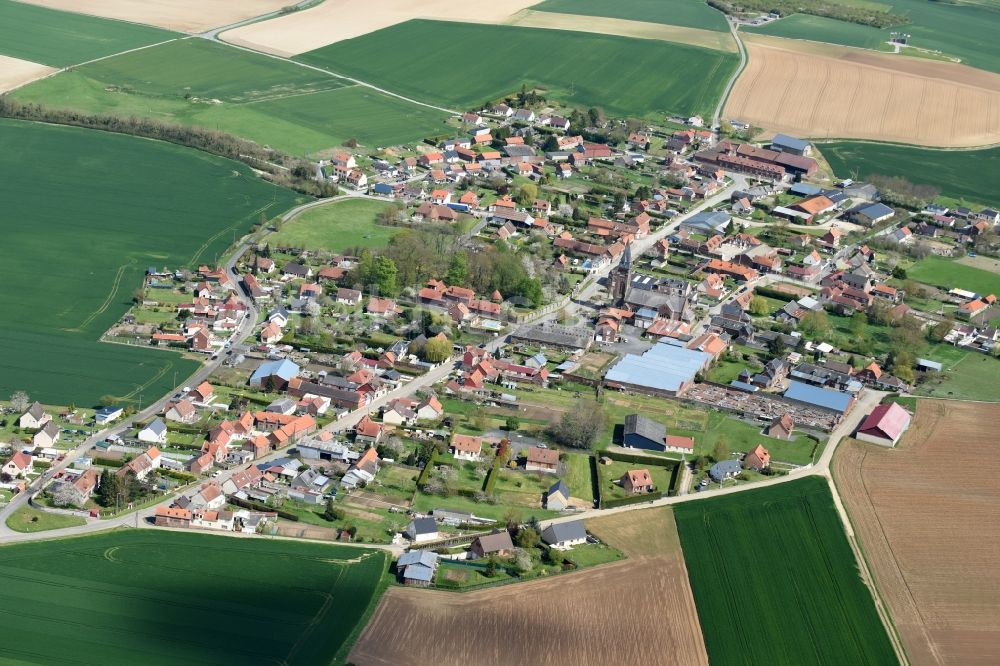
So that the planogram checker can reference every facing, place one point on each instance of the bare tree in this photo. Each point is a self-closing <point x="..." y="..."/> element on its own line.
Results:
<point x="20" y="401"/>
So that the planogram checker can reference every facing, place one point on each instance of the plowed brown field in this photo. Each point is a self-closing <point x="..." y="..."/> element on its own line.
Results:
<point x="636" y="611"/>
<point x="927" y="515"/>
<point x="15" y="72"/>
<point x="180" y="15"/>
<point x="823" y="91"/>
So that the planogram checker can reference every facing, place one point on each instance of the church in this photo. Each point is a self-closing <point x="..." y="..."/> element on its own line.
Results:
<point x="672" y="299"/>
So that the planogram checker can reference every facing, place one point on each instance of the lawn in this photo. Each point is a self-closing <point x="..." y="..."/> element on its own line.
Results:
<point x="129" y="203"/>
<point x="960" y="30"/>
<point x="611" y="474"/>
<point x="949" y="274"/>
<point x="27" y="519"/>
<point x="60" y="39"/>
<point x="967" y="175"/>
<point x="133" y="597"/>
<point x="684" y="13"/>
<point x="337" y="227"/>
<point x="274" y="102"/>
<point x="972" y="377"/>
<point x="576" y="68"/>
<point x="579" y="477"/>
<point x="775" y="580"/>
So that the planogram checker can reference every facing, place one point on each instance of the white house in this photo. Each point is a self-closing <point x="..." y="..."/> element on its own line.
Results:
<point x="142" y="464"/>
<point x="565" y="535"/>
<point x="154" y="433"/>
<point x="107" y="415"/>
<point x="35" y="417"/>
<point x="18" y="466"/>
<point x="47" y="436"/>
<point x="466" y="447"/>
<point x="421" y="530"/>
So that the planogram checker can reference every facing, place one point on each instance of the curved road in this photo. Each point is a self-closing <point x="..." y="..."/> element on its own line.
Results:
<point x="717" y="116"/>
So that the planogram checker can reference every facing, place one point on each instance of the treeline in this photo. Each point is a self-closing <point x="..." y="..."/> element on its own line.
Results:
<point x="833" y="10"/>
<point x="278" y="167"/>
<point x="900" y="192"/>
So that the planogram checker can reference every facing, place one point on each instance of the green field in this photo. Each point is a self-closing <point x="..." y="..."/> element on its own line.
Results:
<point x="336" y="227"/>
<point x="948" y="273"/>
<point x="775" y="580"/>
<point x="964" y="31"/>
<point x="92" y="210"/>
<point x="60" y="39"/>
<point x="973" y="376"/>
<point x="148" y="597"/>
<point x="207" y="84"/>
<point x="684" y="13"/>
<point x="624" y="76"/>
<point x="27" y="519"/>
<point x="971" y="175"/>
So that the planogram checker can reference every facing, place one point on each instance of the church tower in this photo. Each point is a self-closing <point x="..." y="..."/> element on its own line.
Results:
<point x="620" y="277"/>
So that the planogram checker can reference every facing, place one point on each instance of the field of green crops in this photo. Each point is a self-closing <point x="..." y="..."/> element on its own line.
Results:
<point x="775" y="580"/>
<point x="965" y="31"/>
<point x="273" y="102"/>
<point x="148" y="597"/>
<point x="624" y="76"/>
<point x="950" y="274"/>
<point x="60" y="39"/>
<point x="961" y="174"/>
<point x="93" y="210"/>
<point x="684" y="13"/>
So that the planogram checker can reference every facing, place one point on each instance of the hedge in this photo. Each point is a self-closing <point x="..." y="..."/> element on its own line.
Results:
<point x="426" y="471"/>
<point x="635" y="499"/>
<point x="595" y="479"/>
<point x="108" y="462"/>
<point x="773" y="293"/>
<point x="644" y="460"/>
<point x="491" y="479"/>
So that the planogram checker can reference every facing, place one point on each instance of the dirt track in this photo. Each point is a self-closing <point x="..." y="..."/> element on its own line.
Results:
<point x="927" y="515"/>
<point x="823" y="91"/>
<point x="637" y="611"/>
<point x="179" y="15"/>
<point x="15" y="72"/>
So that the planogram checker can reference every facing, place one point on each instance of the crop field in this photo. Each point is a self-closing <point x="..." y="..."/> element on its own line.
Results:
<point x="925" y="514"/>
<point x="60" y="39"/>
<point x="686" y="13"/>
<point x="820" y="91"/>
<point x="775" y="579"/>
<point x="574" y="67"/>
<point x="15" y="72"/>
<point x="963" y="174"/>
<point x="276" y="103"/>
<point x="336" y="227"/>
<point x="149" y="597"/>
<point x="130" y="203"/>
<point x="180" y="15"/>
<point x="951" y="274"/>
<point x="596" y="616"/>
<point x="963" y="31"/>
<point x="331" y="22"/>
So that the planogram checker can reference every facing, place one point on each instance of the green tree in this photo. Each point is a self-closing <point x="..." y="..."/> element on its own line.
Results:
<point x="815" y="324"/>
<point x="859" y="323"/>
<point x="512" y="423"/>
<point x="551" y="144"/>
<point x="437" y="349"/>
<point x="759" y="306"/>
<point x="108" y="488"/>
<point x="777" y="346"/>
<point x="527" y="537"/>
<point x="527" y="194"/>
<point x="721" y="451"/>
<point x="385" y="276"/>
<point x="331" y="512"/>
<point x="458" y="270"/>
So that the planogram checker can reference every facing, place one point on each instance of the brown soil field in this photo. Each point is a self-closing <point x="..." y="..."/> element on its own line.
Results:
<point x="709" y="39"/>
<point x="15" y="72"/>
<point x="337" y="20"/>
<point x="927" y="516"/>
<point x="822" y="91"/>
<point x="985" y="263"/>
<point x="635" y="611"/>
<point x="179" y="15"/>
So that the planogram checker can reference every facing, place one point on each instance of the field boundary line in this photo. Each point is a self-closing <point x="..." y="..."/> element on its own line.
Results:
<point x="107" y="301"/>
<point x="330" y="72"/>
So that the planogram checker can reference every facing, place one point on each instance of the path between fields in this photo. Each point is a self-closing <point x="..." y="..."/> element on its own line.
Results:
<point x="717" y="116"/>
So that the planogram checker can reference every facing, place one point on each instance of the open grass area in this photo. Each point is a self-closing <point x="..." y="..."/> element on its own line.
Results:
<point x="576" y="68"/>
<point x="201" y="83"/>
<point x="129" y="203"/>
<point x="336" y="227"/>
<point x="60" y="39"/>
<point x="775" y="580"/>
<point x="950" y="274"/>
<point x="966" y="175"/>
<point x="579" y="477"/>
<point x="158" y="582"/>
<point x="964" y="31"/>
<point x="685" y="13"/>
<point x="611" y="476"/>
<point x="27" y="519"/>
<point x="972" y="377"/>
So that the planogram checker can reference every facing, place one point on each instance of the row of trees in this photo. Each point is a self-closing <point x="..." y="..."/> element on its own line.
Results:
<point x="851" y="13"/>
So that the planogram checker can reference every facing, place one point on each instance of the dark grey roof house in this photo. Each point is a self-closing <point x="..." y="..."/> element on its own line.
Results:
<point x="643" y="433"/>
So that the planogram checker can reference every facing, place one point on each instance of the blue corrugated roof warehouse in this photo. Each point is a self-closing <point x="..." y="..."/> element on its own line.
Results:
<point x="663" y="368"/>
<point x="835" y="401"/>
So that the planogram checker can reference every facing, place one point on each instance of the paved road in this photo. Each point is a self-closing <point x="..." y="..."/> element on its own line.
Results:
<point x="717" y="115"/>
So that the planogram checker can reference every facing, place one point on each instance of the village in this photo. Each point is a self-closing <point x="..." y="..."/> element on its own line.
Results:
<point x="684" y="312"/>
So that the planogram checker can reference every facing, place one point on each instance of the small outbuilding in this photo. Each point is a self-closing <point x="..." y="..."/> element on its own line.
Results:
<point x="885" y="425"/>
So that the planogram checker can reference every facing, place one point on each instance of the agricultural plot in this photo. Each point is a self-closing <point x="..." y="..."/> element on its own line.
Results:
<point x="951" y="274"/>
<point x="166" y="598"/>
<point x="15" y="72"/>
<point x="131" y="203"/>
<point x="929" y="533"/>
<point x="775" y="579"/>
<point x="598" y="622"/>
<point x="61" y="39"/>
<point x="963" y="174"/>
<point x="201" y="83"/>
<point x="964" y="31"/>
<point x="823" y="92"/>
<point x="576" y="68"/>
<point x="686" y="13"/>
<point x="180" y="15"/>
